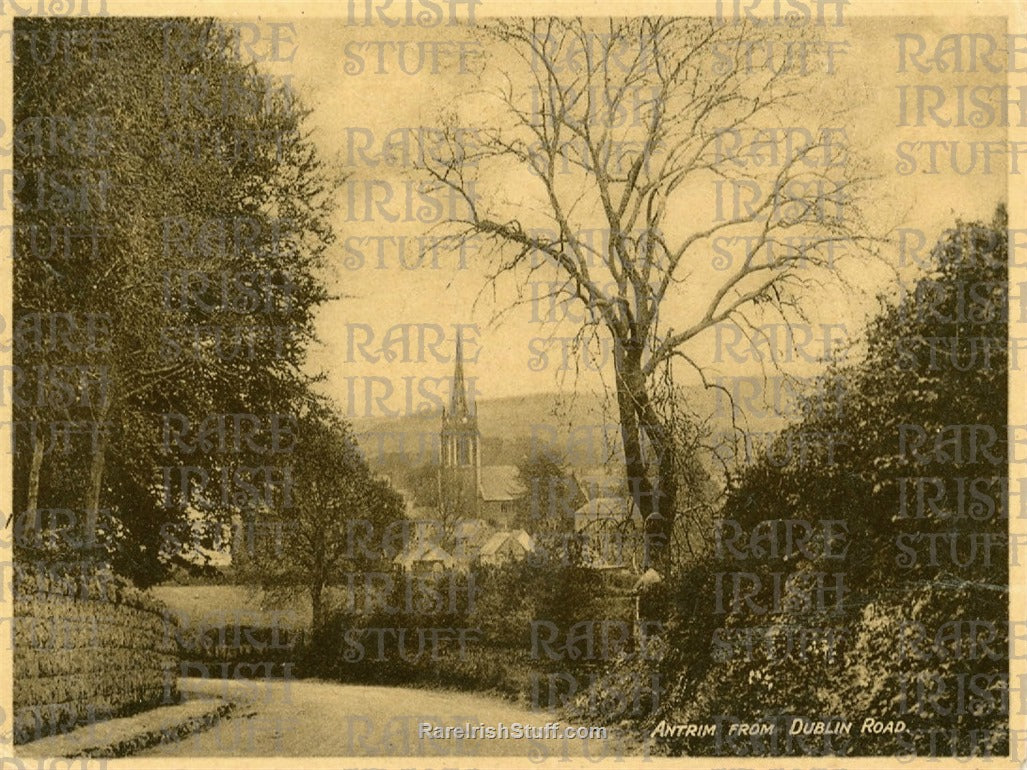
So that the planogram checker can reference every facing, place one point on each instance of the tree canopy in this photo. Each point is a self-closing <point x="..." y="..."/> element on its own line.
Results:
<point x="171" y="222"/>
<point x="894" y="487"/>
<point x="339" y="523"/>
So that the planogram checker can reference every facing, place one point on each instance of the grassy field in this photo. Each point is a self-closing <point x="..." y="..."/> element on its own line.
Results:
<point x="220" y="605"/>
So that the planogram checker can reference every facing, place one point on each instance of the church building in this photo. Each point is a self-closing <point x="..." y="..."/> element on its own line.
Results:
<point x="468" y="488"/>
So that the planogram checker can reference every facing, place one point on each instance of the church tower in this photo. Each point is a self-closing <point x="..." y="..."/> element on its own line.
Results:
<point x="460" y="463"/>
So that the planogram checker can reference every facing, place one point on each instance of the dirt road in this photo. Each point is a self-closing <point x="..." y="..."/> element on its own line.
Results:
<point x="315" y="718"/>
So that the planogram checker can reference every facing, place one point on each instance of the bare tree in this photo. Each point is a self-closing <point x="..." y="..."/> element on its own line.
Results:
<point x="639" y="168"/>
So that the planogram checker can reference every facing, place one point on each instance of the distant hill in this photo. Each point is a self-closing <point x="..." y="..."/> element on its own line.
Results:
<point x="579" y="425"/>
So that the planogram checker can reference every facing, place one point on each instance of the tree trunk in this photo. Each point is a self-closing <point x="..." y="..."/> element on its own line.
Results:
<point x="37" y="463"/>
<point x="316" y="608"/>
<point x="659" y="526"/>
<point x="656" y="503"/>
<point x="93" y="489"/>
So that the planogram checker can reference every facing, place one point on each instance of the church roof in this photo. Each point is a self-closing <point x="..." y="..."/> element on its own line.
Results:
<point x="500" y="483"/>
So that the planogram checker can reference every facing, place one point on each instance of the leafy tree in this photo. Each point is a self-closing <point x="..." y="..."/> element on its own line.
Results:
<point x="543" y="586"/>
<point x="196" y="228"/>
<point x="423" y="483"/>
<point x="904" y="444"/>
<point x="445" y="511"/>
<point x="934" y="364"/>
<point x="338" y="521"/>
<point x="552" y="494"/>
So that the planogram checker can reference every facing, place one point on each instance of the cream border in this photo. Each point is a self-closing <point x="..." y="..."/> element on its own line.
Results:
<point x="1017" y="193"/>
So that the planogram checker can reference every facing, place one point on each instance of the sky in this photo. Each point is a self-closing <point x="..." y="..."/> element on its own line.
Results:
<point x="336" y="71"/>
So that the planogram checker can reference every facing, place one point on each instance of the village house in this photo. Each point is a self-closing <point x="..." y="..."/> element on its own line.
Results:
<point x="425" y="557"/>
<point x="479" y="502"/>
<point x="506" y="546"/>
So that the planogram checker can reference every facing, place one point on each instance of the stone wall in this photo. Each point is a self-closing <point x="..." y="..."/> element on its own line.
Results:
<point x="87" y="647"/>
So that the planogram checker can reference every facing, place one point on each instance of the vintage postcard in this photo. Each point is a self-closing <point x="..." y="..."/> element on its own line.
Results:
<point x="457" y="383"/>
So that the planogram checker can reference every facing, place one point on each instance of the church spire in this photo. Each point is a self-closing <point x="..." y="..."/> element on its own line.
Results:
<point x="458" y="399"/>
<point x="460" y="460"/>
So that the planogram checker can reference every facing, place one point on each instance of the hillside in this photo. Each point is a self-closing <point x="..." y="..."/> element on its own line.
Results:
<point x="577" y="424"/>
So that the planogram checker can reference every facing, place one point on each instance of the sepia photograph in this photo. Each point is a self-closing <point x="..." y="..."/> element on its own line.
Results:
<point x="514" y="385"/>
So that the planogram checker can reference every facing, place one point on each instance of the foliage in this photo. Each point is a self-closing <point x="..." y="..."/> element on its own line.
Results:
<point x="938" y="657"/>
<point x="552" y="493"/>
<point x="338" y="521"/>
<point x="187" y="215"/>
<point x="497" y="607"/>
<point x="423" y="483"/>
<point x="916" y="634"/>
<point x="539" y="587"/>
